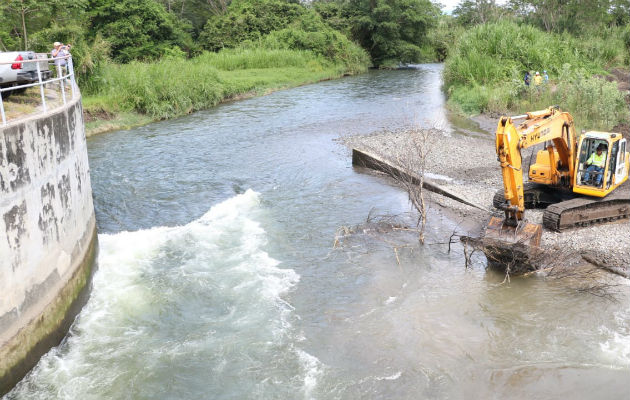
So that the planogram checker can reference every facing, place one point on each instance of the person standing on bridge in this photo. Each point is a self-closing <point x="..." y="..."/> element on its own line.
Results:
<point x="59" y="53"/>
<point x="596" y="165"/>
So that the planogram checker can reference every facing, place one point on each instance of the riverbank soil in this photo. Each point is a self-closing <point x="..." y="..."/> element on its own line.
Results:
<point x="464" y="162"/>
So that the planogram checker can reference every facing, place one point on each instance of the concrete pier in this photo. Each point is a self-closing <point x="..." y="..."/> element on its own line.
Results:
<point x="48" y="237"/>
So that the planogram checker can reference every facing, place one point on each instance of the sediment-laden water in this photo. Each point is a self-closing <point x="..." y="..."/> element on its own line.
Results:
<point x="218" y="276"/>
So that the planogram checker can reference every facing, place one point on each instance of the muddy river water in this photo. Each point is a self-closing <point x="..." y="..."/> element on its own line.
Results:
<point x="218" y="278"/>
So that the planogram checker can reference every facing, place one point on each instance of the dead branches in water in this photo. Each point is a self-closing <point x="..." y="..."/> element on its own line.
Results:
<point x="558" y="264"/>
<point x="375" y="225"/>
<point x="407" y="166"/>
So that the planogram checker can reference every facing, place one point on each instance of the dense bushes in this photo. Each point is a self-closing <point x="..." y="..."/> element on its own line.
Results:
<point x="139" y="29"/>
<point x="392" y="31"/>
<point x="495" y="52"/>
<point x="248" y="20"/>
<point x="311" y="33"/>
<point x="484" y="72"/>
<point x="277" y="24"/>
<point x="174" y="86"/>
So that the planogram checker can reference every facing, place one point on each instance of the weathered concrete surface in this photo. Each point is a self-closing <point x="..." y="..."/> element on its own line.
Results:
<point x="47" y="235"/>
<point x="362" y="158"/>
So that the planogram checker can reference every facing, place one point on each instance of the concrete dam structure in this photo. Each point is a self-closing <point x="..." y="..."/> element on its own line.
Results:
<point x="47" y="235"/>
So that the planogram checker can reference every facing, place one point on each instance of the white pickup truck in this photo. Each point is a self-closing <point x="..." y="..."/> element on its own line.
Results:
<point x="15" y="71"/>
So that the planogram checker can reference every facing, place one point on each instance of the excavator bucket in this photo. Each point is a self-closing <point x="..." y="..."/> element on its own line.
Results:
<point x="524" y="233"/>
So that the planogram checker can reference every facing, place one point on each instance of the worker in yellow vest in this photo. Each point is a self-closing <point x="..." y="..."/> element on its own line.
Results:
<point x="596" y="165"/>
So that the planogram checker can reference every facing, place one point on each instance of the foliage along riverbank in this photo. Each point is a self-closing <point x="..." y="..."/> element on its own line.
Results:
<point x="138" y="93"/>
<point x="485" y="69"/>
<point x="145" y="60"/>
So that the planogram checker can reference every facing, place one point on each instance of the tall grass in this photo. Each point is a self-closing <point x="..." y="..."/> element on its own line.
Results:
<point x="255" y="58"/>
<point x="173" y="86"/>
<point x="484" y="72"/>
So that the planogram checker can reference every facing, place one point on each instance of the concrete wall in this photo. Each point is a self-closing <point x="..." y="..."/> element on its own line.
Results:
<point x="47" y="235"/>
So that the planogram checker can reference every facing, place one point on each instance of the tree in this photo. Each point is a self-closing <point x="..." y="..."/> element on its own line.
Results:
<point x="249" y="20"/>
<point x="21" y="9"/>
<point x="575" y="16"/>
<point x="196" y="12"/>
<point x="138" y="29"/>
<point x="19" y="19"/>
<point x="473" y="12"/>
<point x="620" y="12"/>
<point x="391" y="30"/>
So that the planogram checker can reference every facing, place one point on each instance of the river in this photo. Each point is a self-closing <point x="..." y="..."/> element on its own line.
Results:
<point x="218" y="278"/>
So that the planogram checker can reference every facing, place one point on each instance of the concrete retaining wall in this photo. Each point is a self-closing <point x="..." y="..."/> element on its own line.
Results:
<point x="47" y="235"/>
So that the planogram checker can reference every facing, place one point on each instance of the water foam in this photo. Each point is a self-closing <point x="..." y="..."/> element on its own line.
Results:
<point x="617" y="347"/>
<point x="312" y="370"/>
<point x="200" y="300"/>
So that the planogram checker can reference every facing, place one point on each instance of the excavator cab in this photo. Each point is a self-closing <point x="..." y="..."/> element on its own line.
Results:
<point x="593" y="181"/>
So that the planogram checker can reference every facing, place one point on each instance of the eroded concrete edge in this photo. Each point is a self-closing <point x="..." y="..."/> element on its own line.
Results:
<point x="24" y="350"/>
<point x="362" y="158"/>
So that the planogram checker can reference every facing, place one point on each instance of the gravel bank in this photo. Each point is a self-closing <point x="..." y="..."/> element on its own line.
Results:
<point x="466" y="163"/>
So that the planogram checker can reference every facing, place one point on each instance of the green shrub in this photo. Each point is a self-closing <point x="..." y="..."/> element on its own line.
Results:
<point x="484" y="72"/>
<point x="490" y="53"/>
<point x="164" y="88"/>
<point x="277" y="24"/>
<point x="248" y="20"/>
<point x="325" y="42"/>
<point x="596" y="103"/>
<point x="174" y="86"/>
<point x="139" y="29"/>
<point x="470" y="100"/>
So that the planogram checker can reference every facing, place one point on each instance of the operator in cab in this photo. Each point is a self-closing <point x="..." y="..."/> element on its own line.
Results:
<point x="596" y="164"/>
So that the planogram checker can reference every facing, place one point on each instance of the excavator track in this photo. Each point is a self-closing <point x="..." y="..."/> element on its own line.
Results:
<point x="563" y="212"/>
<point x="584" y="211"/>
<point x="535" y="196"/>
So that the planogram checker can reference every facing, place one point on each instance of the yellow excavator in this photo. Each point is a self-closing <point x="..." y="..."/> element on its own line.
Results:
<point x="579" y="182"/>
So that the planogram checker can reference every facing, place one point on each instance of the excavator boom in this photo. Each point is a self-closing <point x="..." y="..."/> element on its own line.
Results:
<point x="545" y="126"/>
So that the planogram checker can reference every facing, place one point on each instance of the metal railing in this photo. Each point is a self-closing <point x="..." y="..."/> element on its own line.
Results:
<point x="61" y="78"/>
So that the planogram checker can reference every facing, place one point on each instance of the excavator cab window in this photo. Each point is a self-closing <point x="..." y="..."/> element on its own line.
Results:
<point x="589" y="146"/>
<point x="612" y="165"/>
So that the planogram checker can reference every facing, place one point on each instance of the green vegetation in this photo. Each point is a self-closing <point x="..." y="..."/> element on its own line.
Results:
<point x="139" y="60"/>
<point x="142" y="60"/>
<point x="276" y="24"/>
<point x="174" y="86"/>
<point x="392" y="31"/>
<point x="486" y="67"/>
<point x="138" y="29"/>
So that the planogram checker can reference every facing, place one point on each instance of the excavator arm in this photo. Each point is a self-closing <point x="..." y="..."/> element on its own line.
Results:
<point x="551" y="126"/>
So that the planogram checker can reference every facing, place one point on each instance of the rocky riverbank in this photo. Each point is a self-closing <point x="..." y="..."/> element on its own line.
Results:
<point x="464" y="162"/>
